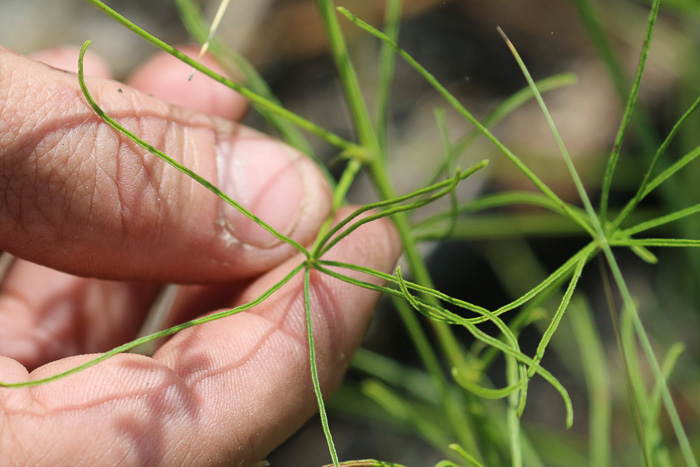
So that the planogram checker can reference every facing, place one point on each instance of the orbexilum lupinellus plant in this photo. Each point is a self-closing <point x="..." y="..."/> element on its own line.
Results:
<point x="472" y="431"/>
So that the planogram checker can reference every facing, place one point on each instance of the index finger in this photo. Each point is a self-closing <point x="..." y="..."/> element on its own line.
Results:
<point x="77" y="196"/>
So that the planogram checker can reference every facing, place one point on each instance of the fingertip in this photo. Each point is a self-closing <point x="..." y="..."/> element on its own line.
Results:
<point x="277" y="183"/>
<point x="167" y="78"/>
<point x="12" y="371"/>
<point x="66" y="58"/>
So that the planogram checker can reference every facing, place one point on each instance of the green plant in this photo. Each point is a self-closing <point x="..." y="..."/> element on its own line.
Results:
<point x="487" y="433"/>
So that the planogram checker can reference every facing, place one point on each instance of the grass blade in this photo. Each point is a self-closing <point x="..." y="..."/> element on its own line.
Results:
<point x="554" y="324"/>
<point x="661" y="242"/>
<point x="387" y="60"/>
<point x="595" y="370"/>
<point x="659" y="221"/>
<point x="223" y="6"/>
<point x="627" y="116"/>
<point x="647" y="184"/>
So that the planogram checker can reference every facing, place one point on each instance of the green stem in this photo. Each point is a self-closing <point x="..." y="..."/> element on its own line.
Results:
<point x="353" y="92"/>
<point x="326" y="135"/>
<point x="194" y="22"/>
<point x="166" y="332"/>
<point x="369" y="141"/>
<point x="314" y="369"/>
<point x="387" y="59"/>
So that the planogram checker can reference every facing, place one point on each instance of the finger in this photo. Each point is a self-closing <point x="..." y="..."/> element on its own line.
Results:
<point x="224" y="392"/>
<point x="166" y="78"/>
<point x="68" y="315"/>
<point x="46" y="314"/>
<point x="66" y="58"/>
<point x="79" y="197"/>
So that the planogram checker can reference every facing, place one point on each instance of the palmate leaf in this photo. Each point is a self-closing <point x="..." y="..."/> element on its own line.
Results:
<point x="441" y="314"/>
<point x="602" y="239"/>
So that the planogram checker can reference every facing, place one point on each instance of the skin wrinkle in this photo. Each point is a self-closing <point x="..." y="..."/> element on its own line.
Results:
<point x="121" y="207"/>
<point x="73" y="171"/>
<point x="197" y="379"/>
<point x="144" y="375"/>
<point x="154" y="175"/>
<point x="186" y="193"/>
<point x="112" y="167"/>
<point x="238" y="382"/>
<point x="95" y="198"/>
<point x="86" y="174"/>
<point x="48" y="146"/>
<point x="86" y="165"/>
<point x="187" y="141"/>
<point x="129" y="149"/>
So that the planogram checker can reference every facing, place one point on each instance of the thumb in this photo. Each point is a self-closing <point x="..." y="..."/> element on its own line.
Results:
<point x="77" y="196"/>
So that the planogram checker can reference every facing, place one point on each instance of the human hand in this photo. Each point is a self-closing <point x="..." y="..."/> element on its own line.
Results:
<point x="79" y="198"/>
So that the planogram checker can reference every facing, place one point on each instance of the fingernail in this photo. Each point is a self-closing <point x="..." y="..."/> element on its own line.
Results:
<point x="265" y="177"/>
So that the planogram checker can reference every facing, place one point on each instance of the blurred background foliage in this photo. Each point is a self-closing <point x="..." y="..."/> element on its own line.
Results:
<point x="491" y="263"/>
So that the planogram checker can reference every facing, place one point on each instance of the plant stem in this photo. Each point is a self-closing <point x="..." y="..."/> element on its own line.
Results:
<point x="322" y="133"/>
